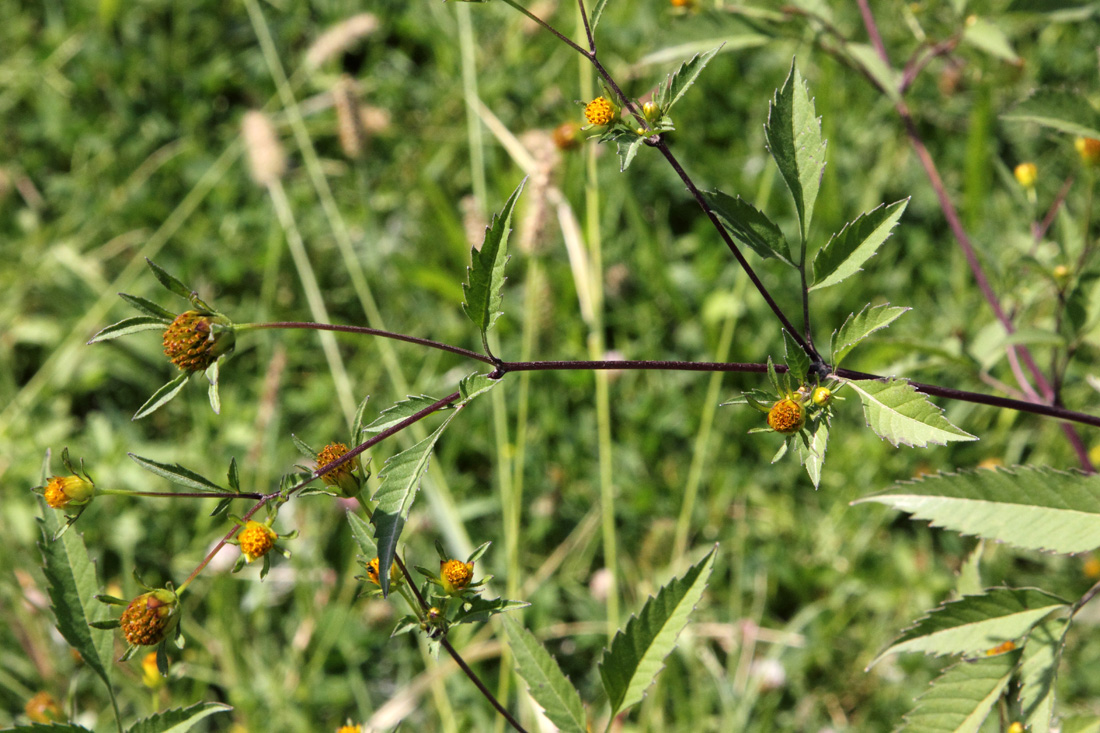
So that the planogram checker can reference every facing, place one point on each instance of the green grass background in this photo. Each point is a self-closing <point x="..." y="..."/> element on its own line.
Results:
<point x="121" y="141"/>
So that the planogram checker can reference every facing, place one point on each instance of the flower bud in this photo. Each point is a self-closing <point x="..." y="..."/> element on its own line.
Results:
<point x="149" y="617"/>
<point x="192" y="342"/>
<point x="455" y="575"/>
<point x="1026" y="174"/>
<point x="65" y="491"/>
<point x="342" y="477"/>
<point x="787" y="416"/>
<point x="821" y="396"/>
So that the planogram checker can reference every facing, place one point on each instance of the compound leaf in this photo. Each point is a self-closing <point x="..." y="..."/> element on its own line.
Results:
<point x="400" y="411"/>
<point x="676" y="85"/>
<point x="178" y="720"/>
<point x="1038" y="670"/>
<point x="749" y="226"/>
<point x="177" y="474"/>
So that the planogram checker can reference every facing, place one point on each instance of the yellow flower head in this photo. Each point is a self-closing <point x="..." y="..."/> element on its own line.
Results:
<point x="44" y="708"/>
<point x="787" y="416"/>
<point x="396" y="576"/>
<point x="349" y="729"/>
<point x="150" y="672"/>
<point x="821" y="396"/>
<point x="1089" y="149"/>
<point x="256" y="540"/>
<point x="455" y="575"/>
<point x="599" y="112"/>
<point x="65" y="491"/>
<point x="343" y="476"/>
<point x="1026" y="174"/>
<point x="192" y="343"/>
<point x="149" y="617"/>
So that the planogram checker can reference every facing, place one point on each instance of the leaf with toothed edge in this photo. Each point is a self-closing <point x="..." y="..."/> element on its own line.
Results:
<point x="960" y="699"/>
<point x="486" y="271"/>
<point x="549" y="687"/>
<point x="896" y="411"/>
<point x="178" y="720"/>
<point x="162" y="397"/>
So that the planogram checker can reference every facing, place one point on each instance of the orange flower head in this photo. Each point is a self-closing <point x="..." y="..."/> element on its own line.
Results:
<point x="65" y="491"/>
<point x="599" y="112"/>
<point x="455" y="575"/>
<point x="787" y="416"/>
<point x="44" y="708"/>
<point x="256" y="540"/>
<point x="192" y="343"/>
<point x="149" y="617"/>
<point x="1089" y="150"/>
<point x="343" y="476"/>
<point x="396" y="576"/>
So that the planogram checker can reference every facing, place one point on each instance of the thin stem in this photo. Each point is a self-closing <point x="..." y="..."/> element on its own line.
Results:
<point x="587" y="27"/>
<point x="479" y="684"/>
<point x="564" y="39"/>
<point x="369" y="332"/>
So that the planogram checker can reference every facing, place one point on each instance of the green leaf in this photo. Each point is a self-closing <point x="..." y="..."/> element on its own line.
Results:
<point x="233" y="476"/>
<point x="749" y="226"/>
<point x="169" y="281"/>
<point x="162" y="397"/>
<point x="902" y="415"/>
<point x="1033" y="508"/>
<point x="961" y="698"/>
<point x="794" y="139"/>
<point x="984" y="35"/>
<point x="479" y="610"/>
<point x="812" y="456"/>
<point x="357" y="424"/>
<point x="177" y="474"/>
<point x="858" y="326"/>
<point x="400" y="411"/>
<point x="637" y="653"/>
<point x="844" y="254"/>
<point x="597" y="13"/>
<point x="51" y="728"/>
<point x="798" y="363"/>
<point x="395" y="495"/>
<point x="126" y="327"/>
<point x="970" y="577"/>
<point x="1061" y="110"/>
<point x="1038" y="671"/>
<point x="976" y="624"/>
<point x="549" y="687"/>
<point x="212" y="372"/>
<point x="149" y="308"/>
<point x="474" y="385"/>
<point x="486" y="271"/>
<point x="676" y="85"/>
<point x="626" y="149"/>
<point x="178" y="720"/>
<point x="362" y="532"/>
<point x="72" y="587"/>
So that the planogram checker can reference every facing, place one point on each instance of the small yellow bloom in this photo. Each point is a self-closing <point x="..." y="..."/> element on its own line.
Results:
<point x="44" y="708"/>
<point x="65" y="491"/>
<point x="396" y="576"/>
<point x="256" y="540"/>
<point x="821" y="396"/>
<point x="599" y="112"/>
<point x="455" y="575"/>
<point x="349" y="729"/>
<point x="343" y="476"/>
<point x="1026" y="174"/>
<point x="1091" y="568"/>
<point x="1089" y="149"/>
<point x="1016" y="727"/>
<point x="787" y="416"/>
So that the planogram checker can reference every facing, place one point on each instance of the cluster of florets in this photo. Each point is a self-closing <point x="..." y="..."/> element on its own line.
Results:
<point x="194" y="340"/>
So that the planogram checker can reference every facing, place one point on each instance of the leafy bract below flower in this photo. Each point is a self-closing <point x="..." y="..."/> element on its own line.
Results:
<point x="75" y="490"/>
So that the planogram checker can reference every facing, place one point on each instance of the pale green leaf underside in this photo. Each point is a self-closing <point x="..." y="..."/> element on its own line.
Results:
<point x="400" y="482"/>
<point x="975" y="624"/>
<point x="844" y="254"/>
<point x="127" y="326"/>
<point x="984" y="35"/>
<point x="486" y="273"/>
<point x="177" y="474"/>
<point x="1032" y="508"/>
<point x="162" y="397"/>
<point x="637" y="653"/>
<point x="749" y="226"/>
<point x="859" y="326"/>
<point x="676" y="85"/>
<point x="961" y="698"/>
<point x="179" y="720"/>
<point x="1038" y="671"/>
<point x="549" y="687"/>
<point x="362" y="532"/>
<point x="794" y="139"/>
<point x="1063" y="111"/>
<point x="474" y="385"/>
<point x="902" y="415"/>
<point x="402" y="410"/>
<point x="813" y="456"/>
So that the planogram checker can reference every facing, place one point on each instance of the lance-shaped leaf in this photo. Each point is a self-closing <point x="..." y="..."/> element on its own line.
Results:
<point x="127" y="326"/>
<point x="597" y="13"/>
<point x="859" y="326"/>
<point x="549" y="687"/>
<point x="72" y="589"/>
<point x="844" y="254"/>
<point x="749" y="226"/>
<point x="673" y="88"/>
<point x="168" y="280"/>
<point x="798" y="362"/>
<point x="178" y="720"/>
<point x="794" y="139"/>
<point x="177" y="474"/>
<point x="1038" y="671"/>
<point x="395" y="495"/>
<point x="1063" y="111"/>
<point x="486" y="272"/>
<point x="961" y="698"/>
<point x="162" y="396"/>
<point x="362" y="531"/>
<point x="637" y="653"/>
<point x="148" y="307"/>
<point x="626" y="149"/>
<point x="400" y="411"/>
<point x="1033" y="508"/>
<point x="899" y="413"/>
<point x="976" y="624"/>
<point x="812" y="456"/>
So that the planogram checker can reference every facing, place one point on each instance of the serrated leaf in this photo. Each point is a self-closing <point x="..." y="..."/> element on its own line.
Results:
<point x="474" y="385"/>
<point x="549" y="687"/>
<point x="749" y="226"/>
<point x="676" y="84"/>
<point x="233" y="476"/>
<point x="362" y="531"/>
<point x="479" y="610"/>
<point x="1033" y="508"/>
<point x="1038" y="671"/>
<point x="177" y="474"/>
<point x="798" y="363"/>
<point x="72" y="586"/>
<point x="149" y="308"/>
<point x="127" y="326"/>
<point x="486" y="271"/>
<point x="978" y="623"/>
<point x="1061" y="110"/>
<point x="902" y="415"/>
<point x="794" y="139"/>
<point x="168" y="280"/>
<point x="969" y="582"/>
<point x="961" y="698"/>
<point x="178" y="720"/>
<point x="984" y="35"/>
<point x="637" y="652"/>
<point x="402" y="410"/>
<point x="51" y="728"/>
<point x="844" y="254"/>
<point x="161" y="397"/>
<point x="626" y="151"/>
<point x="859" y="326"/>
<point x="395" y="495"/>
